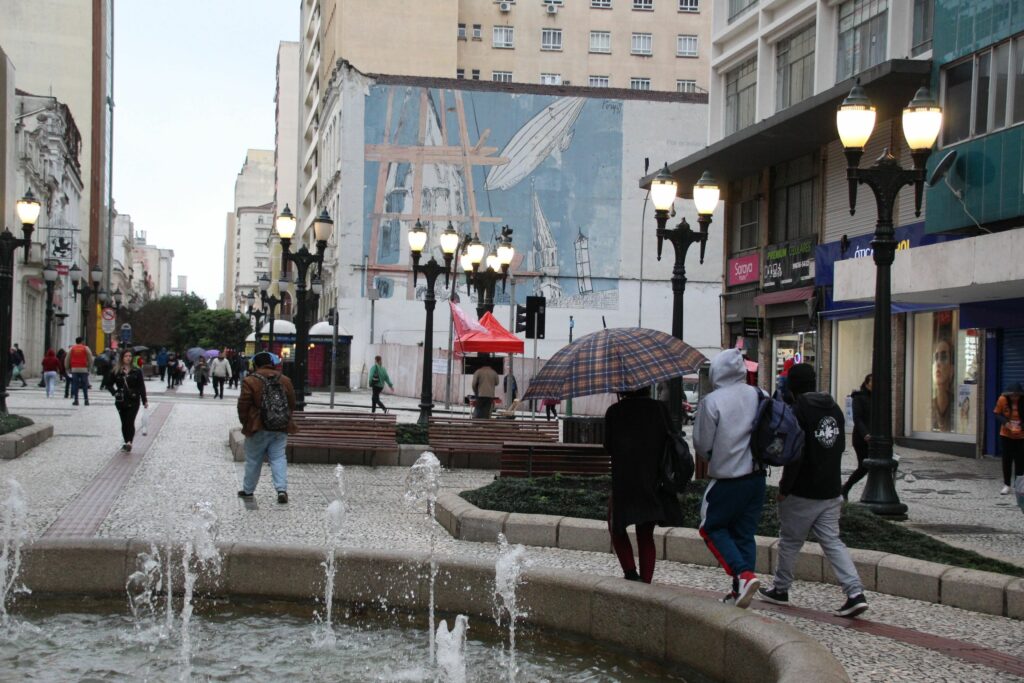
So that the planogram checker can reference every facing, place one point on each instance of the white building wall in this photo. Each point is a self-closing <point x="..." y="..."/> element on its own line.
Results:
<point x="286" y="132"/>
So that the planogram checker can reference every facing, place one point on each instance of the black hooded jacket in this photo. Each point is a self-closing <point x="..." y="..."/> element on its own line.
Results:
<point x="861" y="416"/>
<point x="817" y="474"/>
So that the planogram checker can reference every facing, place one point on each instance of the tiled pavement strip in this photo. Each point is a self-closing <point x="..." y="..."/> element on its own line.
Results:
<point x="187" y="460"/>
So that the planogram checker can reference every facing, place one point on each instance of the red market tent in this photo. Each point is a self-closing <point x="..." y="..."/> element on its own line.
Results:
<point x="487" y="335"/>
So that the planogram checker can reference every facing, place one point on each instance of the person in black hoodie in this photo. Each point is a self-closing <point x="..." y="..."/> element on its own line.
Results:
<point x="128" y="387"/>
<point x="861" y="432"/>
<point x="809" y="494"/>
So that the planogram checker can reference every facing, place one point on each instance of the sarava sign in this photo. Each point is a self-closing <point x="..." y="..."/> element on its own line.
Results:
<point x="743" y="269"/>
<point x="789" y="265"/>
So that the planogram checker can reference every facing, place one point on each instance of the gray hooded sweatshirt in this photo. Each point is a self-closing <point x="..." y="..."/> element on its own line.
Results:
<point x="725" y="418"/>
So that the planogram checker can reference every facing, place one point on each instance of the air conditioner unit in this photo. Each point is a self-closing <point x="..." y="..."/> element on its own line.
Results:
<point x="505" y="6"/>
<point x="552" y="9"/>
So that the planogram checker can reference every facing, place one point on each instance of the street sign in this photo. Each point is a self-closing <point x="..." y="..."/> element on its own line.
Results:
<point x="107" y="322"/>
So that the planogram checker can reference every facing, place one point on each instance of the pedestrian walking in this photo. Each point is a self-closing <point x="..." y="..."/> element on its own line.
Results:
<point x="861" y="432"/>
<point x="810" y="497"/>
<point x="1011" y="435"/>
<point x="734" y="497"/>
<point x="636" y="429"/>
<point x="220" y="372"/>
<point x="485" y="380"/>
<point x="378" y="378"/>
<point x="511" y="387"/>
<point x="550" y="408"/>
<point x="16" y="363"/>
<point x="236" y="369"/>
<point x="79" y="361"/>
<point x="161" y="362"/>
<point x="265" y="407"/>
<point x="51" y="370"/>
<point x="128" y="387"/>
<point x="62" y="356"/>
<point x="201" y="375"/>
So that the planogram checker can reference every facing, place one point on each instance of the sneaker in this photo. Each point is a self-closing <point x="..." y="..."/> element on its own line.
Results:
<point x="774" y="596"/>
<point x="124" y="447"/>
<point x="243" y="494"/>
<point x="128" y="447"/>
<point x="1004" y="491"/>
<point x="282" y="497"/>
<point x="75" y="403"/>
<point x="86" y="401"/>
<point x="853" y="606"/>
<point x="749" y="583"/>
<point x="729" y="598"/>
<point x="631" y="575"/>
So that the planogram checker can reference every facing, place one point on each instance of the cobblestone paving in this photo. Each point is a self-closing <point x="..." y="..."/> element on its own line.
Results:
<point x="190" y="462"/>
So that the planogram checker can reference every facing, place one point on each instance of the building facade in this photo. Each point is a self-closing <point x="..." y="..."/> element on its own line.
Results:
<point x="151" y="266"/>
<point x="250" y="226"/>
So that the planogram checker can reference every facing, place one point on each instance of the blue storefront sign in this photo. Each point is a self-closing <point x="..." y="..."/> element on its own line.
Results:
<point x="826" y="256"/>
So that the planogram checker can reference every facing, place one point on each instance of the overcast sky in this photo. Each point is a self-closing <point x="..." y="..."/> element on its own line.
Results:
<point x="193" y="90"/>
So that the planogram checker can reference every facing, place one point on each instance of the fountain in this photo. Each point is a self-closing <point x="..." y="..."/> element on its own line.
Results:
<point x="508" y="574"/>
<point x="335" y="519"/>
<point x="421" y="486"/>
<point x="451" y="650"/>
<point x="13" y="534"/>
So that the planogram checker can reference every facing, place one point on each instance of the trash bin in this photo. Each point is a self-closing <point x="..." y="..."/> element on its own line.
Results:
<point x="583" y="430"/>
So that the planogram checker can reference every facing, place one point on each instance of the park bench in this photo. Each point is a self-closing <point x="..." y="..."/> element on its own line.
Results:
<point x="343" y="438"/>
<point x="465" y="442"/>
<point x="534" y="459"/>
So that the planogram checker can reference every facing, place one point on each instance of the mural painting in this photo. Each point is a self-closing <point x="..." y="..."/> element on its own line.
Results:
<point x="548" y="166"/>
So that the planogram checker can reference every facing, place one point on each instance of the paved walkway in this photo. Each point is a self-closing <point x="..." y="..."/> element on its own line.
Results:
<point x="186" y="460"/>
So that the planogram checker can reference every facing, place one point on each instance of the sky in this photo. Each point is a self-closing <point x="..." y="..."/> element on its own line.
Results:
<point x="193" y="90"/>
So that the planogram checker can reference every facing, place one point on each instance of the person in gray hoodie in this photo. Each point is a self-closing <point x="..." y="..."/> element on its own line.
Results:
<point x="733" y="499"/>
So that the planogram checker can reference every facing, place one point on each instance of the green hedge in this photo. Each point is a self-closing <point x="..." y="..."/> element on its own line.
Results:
<point x="8" y="423"/>
<point x="411" y="433"/>
<point x="587" y="498"/>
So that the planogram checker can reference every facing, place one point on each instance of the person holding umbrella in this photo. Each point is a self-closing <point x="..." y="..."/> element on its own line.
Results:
<point x="201" y="374"/>
<point x="635" y="435"/>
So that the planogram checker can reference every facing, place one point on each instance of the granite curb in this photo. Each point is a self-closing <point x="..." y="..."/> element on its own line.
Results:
<point x="658" y="621"/>
<point x="973" y="590"/>
<point x="15" y="444"/>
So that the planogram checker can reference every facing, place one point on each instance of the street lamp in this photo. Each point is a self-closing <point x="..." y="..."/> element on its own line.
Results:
<point x="922" y="119"/>
<point x="496" y="268"/>
<point x="269" y="303"/>
<point x="256" y="313"/>
<point x="80" y="286"/>
<point x="50" y="275"/>
<point x="118" y="299"/>
<point x="27" y="209"/>
<point x="323" y="227"/>
<point x="705" y="197"/>
<point x="431" y="269"/>
<point x="8" y="245"/>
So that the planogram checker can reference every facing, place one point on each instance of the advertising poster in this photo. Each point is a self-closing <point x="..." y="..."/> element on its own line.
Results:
<point x="943" y="372"/>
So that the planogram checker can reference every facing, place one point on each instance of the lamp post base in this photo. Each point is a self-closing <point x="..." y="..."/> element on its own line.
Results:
<point x="425" y="411"/>
<point x="880" y="491"/>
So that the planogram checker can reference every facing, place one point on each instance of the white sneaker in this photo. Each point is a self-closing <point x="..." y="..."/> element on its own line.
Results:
<point x="747" y="590"/>
<point x="1004" y="491"/>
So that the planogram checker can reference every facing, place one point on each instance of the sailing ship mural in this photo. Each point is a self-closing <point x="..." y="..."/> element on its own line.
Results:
<point x="539" y="163"/>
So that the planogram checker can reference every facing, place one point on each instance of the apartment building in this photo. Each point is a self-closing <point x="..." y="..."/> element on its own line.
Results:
<point x="249" y="227"/>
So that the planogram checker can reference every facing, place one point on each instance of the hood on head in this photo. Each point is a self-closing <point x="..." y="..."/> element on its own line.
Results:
<point x="727" y="368"/>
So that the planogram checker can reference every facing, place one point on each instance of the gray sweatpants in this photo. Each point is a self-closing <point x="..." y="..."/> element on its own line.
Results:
<point x="797" y="517"/>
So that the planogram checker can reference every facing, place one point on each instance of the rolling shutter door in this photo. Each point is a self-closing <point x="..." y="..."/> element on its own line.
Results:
<point x="1011" y="357"/>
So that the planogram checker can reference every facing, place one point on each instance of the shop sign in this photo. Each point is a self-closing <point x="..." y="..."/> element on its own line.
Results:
<point x="753" y="327"/>
<point x="743" y="269"/>
<point x="789" y="265"/>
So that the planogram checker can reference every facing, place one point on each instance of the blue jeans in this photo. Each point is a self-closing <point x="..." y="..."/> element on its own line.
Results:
<point x="50" y="377"/>
<point x="80" y="380"/>
<point x="271" y="444"/>
<point x="729" y="515"/>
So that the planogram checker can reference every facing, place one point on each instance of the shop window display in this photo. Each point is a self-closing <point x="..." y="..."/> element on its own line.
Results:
<point x="851" y="356"/>
<point x="792" y="348"/>
<point x="945" y="371"/>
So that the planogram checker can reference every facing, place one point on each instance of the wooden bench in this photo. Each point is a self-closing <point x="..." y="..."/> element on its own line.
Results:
<point x="465" y="442"/>
<point x="344" y="438"/>
<point x="534" y="459"/>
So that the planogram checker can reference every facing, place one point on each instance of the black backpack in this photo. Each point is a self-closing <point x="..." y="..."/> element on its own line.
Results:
<point x="274" y="411"/>
<point x="776" y="438"/>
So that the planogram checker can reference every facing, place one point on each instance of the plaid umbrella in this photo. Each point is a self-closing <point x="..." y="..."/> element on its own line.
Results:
<point x="616" y="360"/>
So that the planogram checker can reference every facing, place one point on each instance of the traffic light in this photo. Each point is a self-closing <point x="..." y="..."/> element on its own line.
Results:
<point x="522" y="319"/>
<point x="535" y="317"/>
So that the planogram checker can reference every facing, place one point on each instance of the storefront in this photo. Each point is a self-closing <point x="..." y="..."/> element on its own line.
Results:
<point x="744" y="328"/>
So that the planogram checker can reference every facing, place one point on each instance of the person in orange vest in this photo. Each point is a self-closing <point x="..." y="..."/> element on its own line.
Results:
<point x="79" y="361"/>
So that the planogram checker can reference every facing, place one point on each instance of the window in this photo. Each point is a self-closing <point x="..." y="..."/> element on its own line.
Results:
<point x="744" y="234"/>
<point x="740" y="91"/>
<point x="478" y="31"/>
<point x="476" y="74"/>
<point x="601" y="41"/>
<point x="924" y="11"/>
<point x="551" y="39"/>
<point x="792" y="200"/>
<point x="598" y="82"/>
<point x="984" y="92"/>
<point x="689" y="5"/>
<point x="640" y="84"/>
<point x="794" y="68"/>
<point x="738" y="7"/>
<point x="601" y="4"/>
<point x="686" y="46"/>
<point x="504" y="36"/>
<point x="643" y="44"/>
<point x="460" y="73"/>
<point x="551" y="79"/>
<point x="685" y="85"/>
<point x="862" y="36"/>
<point x="462" y="31"/>
<point x="501" y="76"/>
<point x="644" y="5"/>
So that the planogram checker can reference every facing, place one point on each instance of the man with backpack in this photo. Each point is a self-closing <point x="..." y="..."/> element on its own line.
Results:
<point x="810" y="493"/>
<point x="265" y="408"/>
<point x="733" y="499"/>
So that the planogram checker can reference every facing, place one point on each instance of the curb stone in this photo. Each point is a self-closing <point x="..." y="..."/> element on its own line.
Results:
<point x="16" y="443"/>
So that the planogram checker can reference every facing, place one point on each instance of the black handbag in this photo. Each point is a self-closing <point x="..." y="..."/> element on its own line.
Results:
<point x="676" y="468"/>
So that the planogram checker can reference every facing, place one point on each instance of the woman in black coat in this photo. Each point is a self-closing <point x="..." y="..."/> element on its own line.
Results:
<point x="861" y="432"/>
<point x="126" y="383"/>
<point x="635" y="434"/>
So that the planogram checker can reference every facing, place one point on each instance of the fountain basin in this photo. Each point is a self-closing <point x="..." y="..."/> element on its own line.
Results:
<point x="657" y="622"/>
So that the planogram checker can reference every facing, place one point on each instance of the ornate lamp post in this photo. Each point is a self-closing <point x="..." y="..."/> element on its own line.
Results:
<point x="27" y="209"/>
<point x="80" y="286"/>
<point x="705" y="197"/>
<point x="431" y="270"/>
<point x="497" y="265"/>
<point x="922" y="120"/>
<point x="256" y="313"/>
<point x="269" y="303"/>
<point x="50" y="278"/>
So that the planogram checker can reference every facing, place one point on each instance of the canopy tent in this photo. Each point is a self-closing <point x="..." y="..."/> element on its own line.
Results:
<point x="487" y="335"/>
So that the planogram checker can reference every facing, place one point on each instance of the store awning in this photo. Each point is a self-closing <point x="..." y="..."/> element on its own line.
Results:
<point x="784" y="297"/>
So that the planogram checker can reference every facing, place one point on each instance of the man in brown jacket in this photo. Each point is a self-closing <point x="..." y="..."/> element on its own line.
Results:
<point x="262" y="439"/>
<point x="484" y="381"/>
